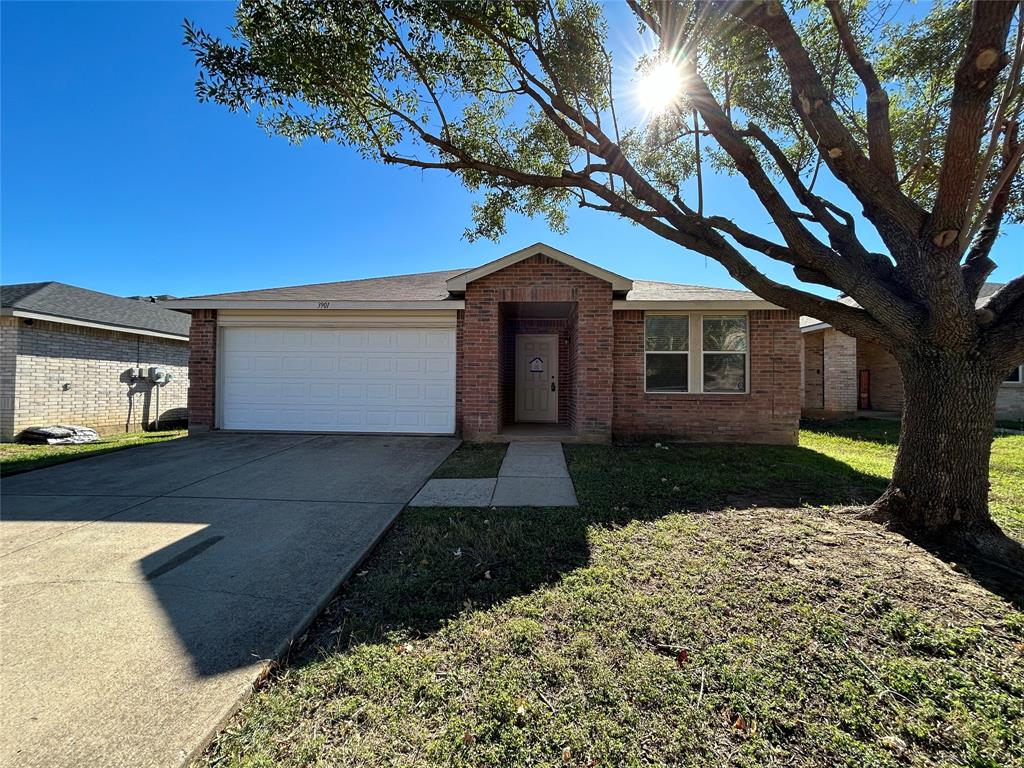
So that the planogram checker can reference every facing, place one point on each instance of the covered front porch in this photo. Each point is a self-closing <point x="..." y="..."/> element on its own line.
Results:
<point x="535" y="349"/>
<point x="536" y="372"/>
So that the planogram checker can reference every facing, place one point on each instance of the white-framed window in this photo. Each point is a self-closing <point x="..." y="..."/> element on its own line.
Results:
<point x="696" y="353"/>
<point x="724" y="353"/>
<point x="667" y="353"/>
<point x="1016" y="376"/>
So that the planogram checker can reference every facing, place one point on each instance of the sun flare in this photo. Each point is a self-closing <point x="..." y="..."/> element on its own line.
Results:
<point x="660" y="87"/>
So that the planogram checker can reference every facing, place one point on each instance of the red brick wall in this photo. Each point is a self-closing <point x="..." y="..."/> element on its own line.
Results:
<point x="202" y="370"/>
<point x="770" y="413"/>
<point x="538" y="278"/>
<point x="460" y="321"/>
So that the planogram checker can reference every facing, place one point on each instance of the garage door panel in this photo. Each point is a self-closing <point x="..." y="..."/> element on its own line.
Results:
<point x="358" y="380"/>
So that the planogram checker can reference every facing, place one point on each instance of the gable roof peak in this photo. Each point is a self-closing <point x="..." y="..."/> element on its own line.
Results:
<point x="457" y="284"/>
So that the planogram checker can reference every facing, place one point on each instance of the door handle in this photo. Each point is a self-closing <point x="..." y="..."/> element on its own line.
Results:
<point x="552" y="386"/>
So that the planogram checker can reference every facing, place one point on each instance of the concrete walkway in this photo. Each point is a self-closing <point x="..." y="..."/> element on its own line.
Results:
<point x="531" y="475"/>
<point x="142" y="591"/>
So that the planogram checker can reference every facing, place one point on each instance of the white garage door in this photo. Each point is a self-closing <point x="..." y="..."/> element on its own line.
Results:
<point x="337" y="379"/>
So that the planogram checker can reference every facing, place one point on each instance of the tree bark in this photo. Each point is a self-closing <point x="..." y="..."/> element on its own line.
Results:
<point x="940" y="482"/>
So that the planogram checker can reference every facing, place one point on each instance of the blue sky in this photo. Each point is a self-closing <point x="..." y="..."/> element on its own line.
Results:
<point x="115" y="178"/>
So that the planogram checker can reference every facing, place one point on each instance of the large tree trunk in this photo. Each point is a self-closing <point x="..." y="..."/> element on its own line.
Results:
<point x="940" y="482"/>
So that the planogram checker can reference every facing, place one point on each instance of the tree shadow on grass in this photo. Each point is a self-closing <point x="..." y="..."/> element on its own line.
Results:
<point x="438" y="562"/>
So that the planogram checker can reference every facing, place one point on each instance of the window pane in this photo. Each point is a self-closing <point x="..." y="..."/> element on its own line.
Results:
<point x="725" y="334"/>
<point x="725" y="373"/>
<point x="668" y="333"/>
<point x="667" y="373"/>
<point x="1014" y="374"/>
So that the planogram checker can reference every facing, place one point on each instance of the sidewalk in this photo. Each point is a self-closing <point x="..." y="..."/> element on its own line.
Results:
<point x="531" y="475"/>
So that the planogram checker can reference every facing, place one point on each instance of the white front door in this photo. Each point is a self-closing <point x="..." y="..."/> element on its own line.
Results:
<point x="323" y="379"/>
<point x="536" y="378"/>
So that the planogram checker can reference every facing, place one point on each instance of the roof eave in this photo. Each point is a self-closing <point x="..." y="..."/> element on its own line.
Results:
<point x="814" y="327"/>
<point x="323" y="304"/>
<point x="30" y="315"/>
<point x="695" y="304"/>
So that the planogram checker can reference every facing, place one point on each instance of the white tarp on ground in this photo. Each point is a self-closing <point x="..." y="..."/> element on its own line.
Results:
<point x="59" y="434"/>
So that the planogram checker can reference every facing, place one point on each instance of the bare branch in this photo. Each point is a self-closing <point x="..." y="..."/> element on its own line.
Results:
<point x="884" y="203"/>
<point x="879" y="128"/>
<point x="978" y="266"/>
<point x="999" y="126"/>
<point x="1000" y="194"/>
<point x="700" y="170"/>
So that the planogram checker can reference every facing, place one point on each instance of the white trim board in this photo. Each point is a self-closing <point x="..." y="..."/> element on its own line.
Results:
<point x="8" y="312"/>
<point x="337" y="319"/>
<point x="700" y="305"/>
<point x="814" y="327"/>
<point x="441" y="305"/>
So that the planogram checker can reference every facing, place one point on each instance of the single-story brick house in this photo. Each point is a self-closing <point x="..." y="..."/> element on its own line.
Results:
<point x="843" y="375"/>
<point x="537" y="342"/>
<point x="67" y="356"/>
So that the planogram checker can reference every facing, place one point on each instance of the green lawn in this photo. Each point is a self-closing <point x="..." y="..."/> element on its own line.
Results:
<point x="704" y="606"/>
<point x="16" y="457"/>
<point x="868" y="446"/>
<point x="473" y="460"/>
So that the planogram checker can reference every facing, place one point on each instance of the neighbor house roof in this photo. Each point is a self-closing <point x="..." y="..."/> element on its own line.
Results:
<point x="442" y="290"/>
<point x="814" y="324"/>
<point x="69" y="304"/>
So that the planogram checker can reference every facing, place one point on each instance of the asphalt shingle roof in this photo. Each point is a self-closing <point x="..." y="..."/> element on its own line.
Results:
<point x="74" y="303"/>
<point x="649" y="290"/>
<point x="423" y="286"/>
<point x="430" y="286"/>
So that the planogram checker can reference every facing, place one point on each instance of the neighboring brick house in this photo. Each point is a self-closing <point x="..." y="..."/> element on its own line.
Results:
<point x="535" y="343"/>
<point x="843" y="375"/>
<point x="67" y="353"/>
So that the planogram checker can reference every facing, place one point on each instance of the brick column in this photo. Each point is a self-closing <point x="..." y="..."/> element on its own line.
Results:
<point x="594" y="368"/>
<point x="479" y="363"/>
<point x="840" y="372"/>
<point x="202" y="370"/>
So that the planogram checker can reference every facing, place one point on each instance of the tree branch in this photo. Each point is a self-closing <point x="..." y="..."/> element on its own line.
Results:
<point x="974" y="84"/>
<point x="1003" y="337"/>
<point x="978" y="265"/>
<point x="879" y="128"/>
<point x="999" y="127"/>
<point x="884" y="203"/>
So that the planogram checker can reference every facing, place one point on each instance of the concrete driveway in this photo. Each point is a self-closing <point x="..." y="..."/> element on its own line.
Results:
<point x="141" y="591"/>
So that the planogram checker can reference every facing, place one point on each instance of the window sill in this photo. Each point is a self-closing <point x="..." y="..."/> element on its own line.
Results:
<point x="697" y="395"/>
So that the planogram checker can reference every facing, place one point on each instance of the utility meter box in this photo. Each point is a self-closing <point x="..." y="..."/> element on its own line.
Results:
<point x="159" y="375"/>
